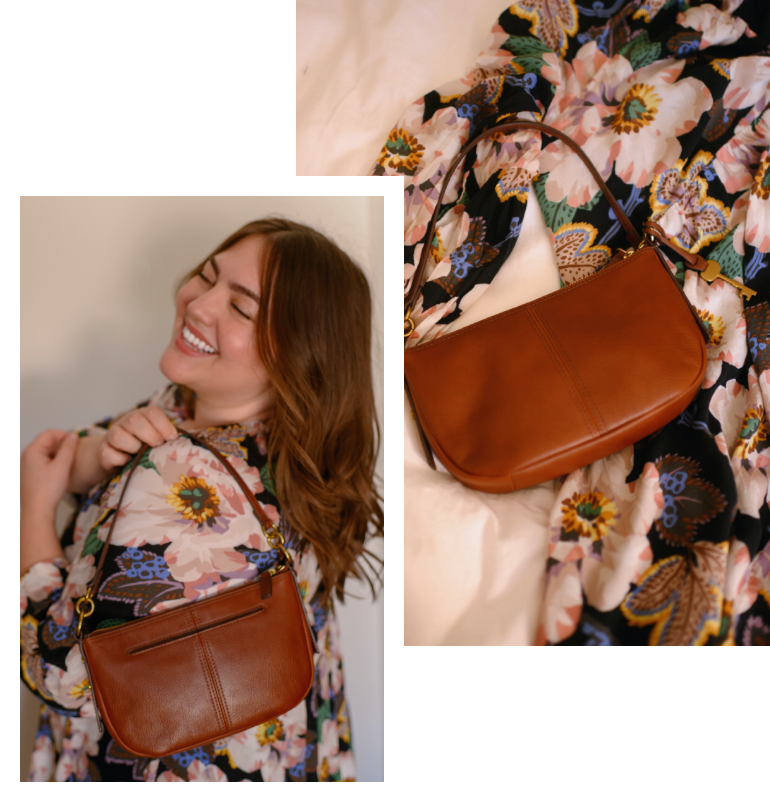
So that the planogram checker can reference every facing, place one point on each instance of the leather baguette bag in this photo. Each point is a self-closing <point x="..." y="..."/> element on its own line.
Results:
<point x="540" y="390"/>
<point x="206" y="670"/>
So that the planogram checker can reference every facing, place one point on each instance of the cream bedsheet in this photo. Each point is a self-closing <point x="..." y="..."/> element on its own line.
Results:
<point x="474" y="563"/>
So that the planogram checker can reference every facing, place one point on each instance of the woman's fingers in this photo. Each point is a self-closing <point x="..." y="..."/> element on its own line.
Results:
<point x="148" y="425"/>
<point x="120" y="439"/>
<point x="45" y="469"/>
<point x="44" y="447"/>
<point x="139" y="425"/>
<point x="162" y="423"/>
<point x="65" y="454"/>
<point x="48" y="442"/>
<point x="129" y="434"/>
<point x="112" y="458"/>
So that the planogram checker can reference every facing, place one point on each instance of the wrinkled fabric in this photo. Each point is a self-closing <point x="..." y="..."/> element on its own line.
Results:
<point x="667" y="541"/>
<point x="185" y="531"/>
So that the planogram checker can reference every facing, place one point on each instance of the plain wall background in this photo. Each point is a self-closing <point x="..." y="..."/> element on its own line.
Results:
<point x="97" y="288"/>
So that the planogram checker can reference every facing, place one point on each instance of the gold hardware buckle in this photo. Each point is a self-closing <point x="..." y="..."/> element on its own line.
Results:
<point x="408" y="322"/>
<point x="82" y="612"/>
<point x="649" y="239"/>
<point x="631" y="251"/>
<point x="276" y="541"/>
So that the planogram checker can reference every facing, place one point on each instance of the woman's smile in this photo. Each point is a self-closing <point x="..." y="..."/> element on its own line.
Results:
<point x="191" y="341"/>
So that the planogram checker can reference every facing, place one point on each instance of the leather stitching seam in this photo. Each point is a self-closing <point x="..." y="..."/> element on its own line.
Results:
<point x="569" y="379"/>
<point x="602" y="426"/>
<point x="206" y="676"/>
<point x="212" y="680"/>
<point x="572" y="389"/>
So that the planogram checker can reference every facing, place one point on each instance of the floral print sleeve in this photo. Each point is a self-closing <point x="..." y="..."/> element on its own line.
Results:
<point x="41" y="586"/>
<point x="185" y="531"/>
<point x="668" y="541"/>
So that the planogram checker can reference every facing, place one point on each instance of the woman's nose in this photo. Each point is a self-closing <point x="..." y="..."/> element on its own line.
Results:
<point x="204" y="306"/>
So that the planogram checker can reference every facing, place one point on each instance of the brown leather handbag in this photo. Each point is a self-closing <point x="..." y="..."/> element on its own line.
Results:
<point x="172" y="681"/>
<point x="540" y="390"/>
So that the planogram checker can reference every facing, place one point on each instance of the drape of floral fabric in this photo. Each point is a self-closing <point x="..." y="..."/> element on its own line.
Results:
<point x="186" y="531"/>
<point x="668" y="541"/>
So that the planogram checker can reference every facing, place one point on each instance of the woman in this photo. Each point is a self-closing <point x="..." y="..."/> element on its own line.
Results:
<point x="258" y="370"/>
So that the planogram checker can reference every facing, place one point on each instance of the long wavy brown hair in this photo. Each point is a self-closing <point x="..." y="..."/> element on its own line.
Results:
<point x="313" y="335"/>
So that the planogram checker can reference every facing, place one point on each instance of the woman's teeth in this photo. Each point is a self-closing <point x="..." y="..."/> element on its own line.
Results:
<point x="195" y="343"/>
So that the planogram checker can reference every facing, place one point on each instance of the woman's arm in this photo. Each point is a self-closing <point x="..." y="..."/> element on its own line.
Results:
<point x="38" y="541"/>
<point x="45" y="469"/>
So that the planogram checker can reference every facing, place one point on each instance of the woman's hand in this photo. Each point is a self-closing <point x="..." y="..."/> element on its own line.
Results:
<point x="45" y="469"/>
<point x="129" y="433"/>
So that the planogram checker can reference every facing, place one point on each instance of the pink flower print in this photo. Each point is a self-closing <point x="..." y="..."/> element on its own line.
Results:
<point x="169" y="777"/>
<point x="749" y="83"/>
<point x="736" y="162"/>
<point x="515" y="157"/>
<point x="41" y="581"/>
<point x="720" y="306"/>
<point x="744" y="440"/>
<point x="200" y="772"/>
<point x="623" y="119"/>
<point x="431" y="146"/>
<point x="599" y="540"/>
<point x="66" y="686"/>
<point x="717" y="27"/>
<point x="329" y="748"/>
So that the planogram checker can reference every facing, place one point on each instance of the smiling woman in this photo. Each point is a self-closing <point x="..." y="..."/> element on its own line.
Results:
<point x="258" y="374"/>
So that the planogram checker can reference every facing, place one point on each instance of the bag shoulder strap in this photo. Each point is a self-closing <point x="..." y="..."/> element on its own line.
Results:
<point x="518" y="125"/>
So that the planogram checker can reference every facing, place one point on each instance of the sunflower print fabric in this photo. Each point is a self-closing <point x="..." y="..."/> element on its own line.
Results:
<point x="185" y="531"/>
<point x="667" y="541"/>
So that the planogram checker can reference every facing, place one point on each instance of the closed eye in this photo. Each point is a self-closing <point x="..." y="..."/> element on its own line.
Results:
<point x="237" y="308"/>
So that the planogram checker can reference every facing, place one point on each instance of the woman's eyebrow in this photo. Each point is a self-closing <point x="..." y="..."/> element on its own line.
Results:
<point x="239" y="288"/>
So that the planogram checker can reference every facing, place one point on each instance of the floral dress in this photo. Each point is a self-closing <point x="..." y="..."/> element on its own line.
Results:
<point x="165" y="552"/>
<point x="668" y="540"/>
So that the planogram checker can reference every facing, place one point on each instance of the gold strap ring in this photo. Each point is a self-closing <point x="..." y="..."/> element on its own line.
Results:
<point x="276" y="540"/>
<point x="82" y="611"/>
<point x="408" y="323"/>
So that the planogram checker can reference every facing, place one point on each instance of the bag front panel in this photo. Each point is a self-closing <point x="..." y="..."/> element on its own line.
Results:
<point x="616" y="364"/>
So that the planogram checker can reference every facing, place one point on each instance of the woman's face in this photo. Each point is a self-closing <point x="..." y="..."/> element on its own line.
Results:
<point x="212" y="349"/>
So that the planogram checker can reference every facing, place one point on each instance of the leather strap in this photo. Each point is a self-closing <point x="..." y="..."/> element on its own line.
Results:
<point x="693" y="261"/>
<point x="256" y="506"/>
<point x="631" y="233"/>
